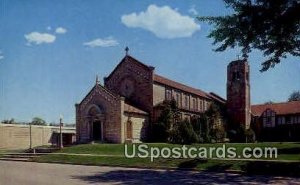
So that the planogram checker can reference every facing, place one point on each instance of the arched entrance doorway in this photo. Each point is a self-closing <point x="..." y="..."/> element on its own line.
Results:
<point x="97" y="130"/>
<point x="95" y="115"/>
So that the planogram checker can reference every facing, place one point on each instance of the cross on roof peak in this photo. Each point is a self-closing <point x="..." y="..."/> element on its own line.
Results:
<point x="126" y="50"/>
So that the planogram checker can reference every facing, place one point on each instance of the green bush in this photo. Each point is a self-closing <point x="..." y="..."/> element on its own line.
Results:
<point x="183" y="133"/>
<point x="250" y="136"/>
<point x="160" y="132"/>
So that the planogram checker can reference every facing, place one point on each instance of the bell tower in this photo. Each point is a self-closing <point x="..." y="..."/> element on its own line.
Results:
<point x="238" y="93"/>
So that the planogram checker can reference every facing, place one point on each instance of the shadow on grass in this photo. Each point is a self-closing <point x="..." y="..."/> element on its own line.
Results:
<point x="294" y="150"/>
<point x="272" y="168"/>
<point x="190" y="164"/>
<point x="219" y="167"/>
<point x="140" y="176"/>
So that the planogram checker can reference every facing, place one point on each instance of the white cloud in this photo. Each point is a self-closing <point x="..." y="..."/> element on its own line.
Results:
<point x="61" y="30"/>
<point x="39" y="38"/>
<point x="193" y="10"/>
<point x="105" y="42"/>
<point x="164" y="22"/>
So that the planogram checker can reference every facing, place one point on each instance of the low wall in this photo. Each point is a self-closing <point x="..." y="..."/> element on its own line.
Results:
<point x="13" y="136"/>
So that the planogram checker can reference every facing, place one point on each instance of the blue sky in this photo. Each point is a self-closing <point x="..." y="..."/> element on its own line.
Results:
<point x="51" y="51"/>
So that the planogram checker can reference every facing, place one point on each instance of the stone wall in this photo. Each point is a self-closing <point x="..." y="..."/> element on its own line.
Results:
<point x="14" y="136"/>
<point x="159" y="94"/>
<point x="111" y="110"/>
<point x="140" y="125"/>
<point x="238" y="93"/>
<point x="139" y="83"/>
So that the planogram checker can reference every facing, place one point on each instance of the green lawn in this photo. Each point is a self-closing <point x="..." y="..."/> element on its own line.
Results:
<point x="286" y="151"/>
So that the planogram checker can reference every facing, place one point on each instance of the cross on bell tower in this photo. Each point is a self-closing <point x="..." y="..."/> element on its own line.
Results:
<point x="126" y="50"/>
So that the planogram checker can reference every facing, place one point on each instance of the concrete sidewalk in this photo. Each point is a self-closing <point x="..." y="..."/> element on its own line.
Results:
<point x="27" y="173"/>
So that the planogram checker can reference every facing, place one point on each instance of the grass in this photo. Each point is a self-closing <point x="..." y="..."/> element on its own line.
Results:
<point x="286" y="151"/>
<point x="2" y="151"/>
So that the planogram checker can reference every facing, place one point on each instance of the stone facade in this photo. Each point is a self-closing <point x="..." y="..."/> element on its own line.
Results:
<point x="131" y="99"/>
<point x="238" y="93"/>
<point x="126" y="106"/>
<point x="132" y="80"/>
<point x="116" y="104"/>
<point x="100" y="107"/>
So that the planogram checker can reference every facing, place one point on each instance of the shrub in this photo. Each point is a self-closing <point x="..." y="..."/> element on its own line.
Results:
<point x="250" y="136"/>
<point x="161" y="132"/>
<point x="183" y="133"/>
<point x="218" y="134"/>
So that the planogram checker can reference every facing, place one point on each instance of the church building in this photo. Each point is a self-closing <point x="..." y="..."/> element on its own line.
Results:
<point x="123" y="108"/>
<point x="129" y="102"/>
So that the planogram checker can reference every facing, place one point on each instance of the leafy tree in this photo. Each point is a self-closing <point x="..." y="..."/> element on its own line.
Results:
<point x="295" y="96"/>
<point x="38" y="121"/>
<point x="197" y="127"/>
<point x="183" y="133"/>
<point x="203" y="129"/>
<point x="217" y="131"/>
<point x="218" y="134"/>
<point x="272" y="26"/>
<point x="168" y="117"/>
<point x="53" y="124"/>
<point x="241" y="134"/>
<point x="11" y="121"/>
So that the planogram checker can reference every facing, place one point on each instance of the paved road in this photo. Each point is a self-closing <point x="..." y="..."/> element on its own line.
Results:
<point x="26" y="173"/>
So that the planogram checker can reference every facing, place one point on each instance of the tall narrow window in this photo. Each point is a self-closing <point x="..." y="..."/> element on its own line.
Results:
<point x="201" y="105"/>
<point x="269" y="118"/>
<point x="168" y="94"/>
<point x="186" y="101"/>
<point x="178" y="100"/>
<point x="194" y="104"/>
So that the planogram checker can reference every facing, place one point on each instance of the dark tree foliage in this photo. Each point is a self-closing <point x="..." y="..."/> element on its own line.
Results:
<point x="272" y="26"/>
<point x="168" y="117"/>
<point x="295" y="96"/>
<point x="11" y="121"/>
<point x="38" y="121"/>
<point x="183" y="133"/>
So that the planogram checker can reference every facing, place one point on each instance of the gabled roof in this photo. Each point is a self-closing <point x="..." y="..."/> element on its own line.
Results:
<point x="180" y="86"/>
<point x="283" y="108"/>
<point x="102" y="87"/>
<point x="131" y="59"/>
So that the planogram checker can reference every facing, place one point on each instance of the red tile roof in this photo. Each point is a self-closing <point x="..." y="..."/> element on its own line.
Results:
<point x="179" y="86"/>
<point x="132" y="109"/>
<point x="292" y="107"/>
